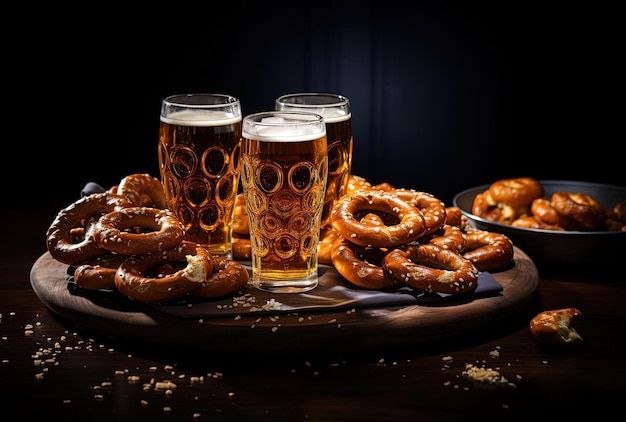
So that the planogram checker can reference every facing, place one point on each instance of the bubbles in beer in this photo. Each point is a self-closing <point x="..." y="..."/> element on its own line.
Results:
<point x="199" y="164"/>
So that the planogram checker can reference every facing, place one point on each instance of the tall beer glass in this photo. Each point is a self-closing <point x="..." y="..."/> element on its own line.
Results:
<point x="199" y="161"/>
<point x="338" y="118"/>
<point x="283" y="173"/>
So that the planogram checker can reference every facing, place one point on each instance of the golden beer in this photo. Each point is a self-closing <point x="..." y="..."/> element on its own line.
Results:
<point x="335" y="109"/>
<point x="284" y="166"/>
<point x="199" y="161"/>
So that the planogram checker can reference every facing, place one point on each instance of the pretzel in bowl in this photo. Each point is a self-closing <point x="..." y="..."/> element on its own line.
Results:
<point x="144" y="277"/>
<point x="581" y="207"/>
<point x="516" y="192"/>
<point x="507" y="199"/>
<point x="542" y="209"/>
<point x="160" y="230"/>
<point x="432" y="269"/>
<point x="532" y="222"/>
<point x="345" y="218"/>
<point x="70" y="236"/>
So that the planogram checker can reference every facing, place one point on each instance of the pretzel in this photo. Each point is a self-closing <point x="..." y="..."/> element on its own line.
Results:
<point x="143" y="190"/>
<point x="532" y="222"/>
<point x="447" y="237"/>
<point x="361" y="266"/>
<point x="431" y="268"/>
<point x="543" y="210"/>
<point x="488" y="250"/>
<point x="324" y="248"/>
<point x="410" y="224"/>
<point x="242" y="248"/>
<point x="356" y="183"/>
<point x="70" y="236"/>
<point x="516" y="192"/>
<point x="227" y="278"/>
<point x="432" y="208"/>
<point x="136" y="278"/>
<point x="507" y="199"/>
<point x="99" y="273"/>
<point x="581" y="207"/>
<point x="161" y="230"/>
<point x="241" y="224"/>
<point x="556" y="327"/>
<point x="485" y="207"/>
<point x="454" y="217"/>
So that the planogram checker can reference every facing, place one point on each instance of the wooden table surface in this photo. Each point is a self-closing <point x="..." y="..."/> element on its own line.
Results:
<point x="53" y="368"/>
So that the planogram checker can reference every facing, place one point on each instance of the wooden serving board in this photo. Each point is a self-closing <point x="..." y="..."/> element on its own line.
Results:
<point x="326" y="331"/>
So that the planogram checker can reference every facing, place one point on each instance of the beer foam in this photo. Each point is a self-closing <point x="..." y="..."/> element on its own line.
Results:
<point x="275" y="131"/>
<point x="201" y="118"/>
<point x="330" y="114"/>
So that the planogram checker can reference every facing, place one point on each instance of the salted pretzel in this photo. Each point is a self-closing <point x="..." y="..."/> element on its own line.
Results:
<point x="345" y="219"/>
<point x="70" y="236"/>
<point x="136" y="278"/>
<point x="227" y="278"/>
<point x="431" y="268"/>
<point x="432" y="208"/>
<point x="488" y="250"/>
<point x="362" y="266"/>
<point x="143" y="190"/>
<point x="357" y="183"/>
<point x="161" y="230"/>
<point x="99" y="273"/>
<point x="454" y="217"/>
<point x="447" y="237"/>
<point x="328" y="237"/>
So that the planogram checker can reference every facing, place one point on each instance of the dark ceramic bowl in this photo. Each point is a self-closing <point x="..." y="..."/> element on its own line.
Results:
<point x="559" y="248"/>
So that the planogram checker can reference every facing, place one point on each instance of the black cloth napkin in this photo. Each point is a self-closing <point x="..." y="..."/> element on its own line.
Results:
<point x="333" y="293"/>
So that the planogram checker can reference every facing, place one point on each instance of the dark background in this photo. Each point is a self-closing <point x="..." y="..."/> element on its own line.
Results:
<point x="445" y="95"/>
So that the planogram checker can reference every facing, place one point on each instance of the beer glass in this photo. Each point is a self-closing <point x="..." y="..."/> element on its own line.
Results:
<point x="284" y="165"/>
<point x="335" y="109"/>
<point x="199" y="161"/>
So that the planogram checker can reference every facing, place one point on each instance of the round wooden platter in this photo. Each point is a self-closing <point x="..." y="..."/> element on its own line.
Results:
<point x="327" y="331"/>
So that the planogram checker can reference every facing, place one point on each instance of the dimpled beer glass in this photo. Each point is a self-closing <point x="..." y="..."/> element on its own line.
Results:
<point x="284" y="165"/>
<point x="335" y="109"/>
<point x="199" y="161"/>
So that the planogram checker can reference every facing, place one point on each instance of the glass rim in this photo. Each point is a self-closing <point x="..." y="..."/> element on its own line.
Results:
<point x="303" y="126"/>
<point x="307" y="117"/>
<point x="220" y="100"/>
<point x="335" y="100"/>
